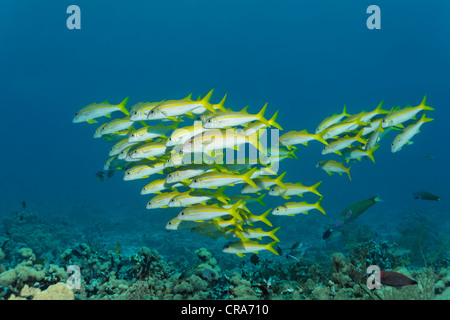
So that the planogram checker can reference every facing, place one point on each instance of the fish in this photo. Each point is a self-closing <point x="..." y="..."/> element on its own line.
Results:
<point x="181" y="135"/>
<point x="300" y="137"/>
<point x="205" y="212"/>
<point x="264" y="183"/>
<point x="374" y="137"/>
<point x="342" y="143"/>
<point x="240" y="248"/>
<point x="398" y="117"/>
<point x="254" y="259"/>
<point x="368" y="116"/>
<point x="218" y="179"/>
<point x="292" y="189"/>
<point x="335" y="118"/>
<point x="100" y="175"/>
<point x="177" y="224"/>
<point x="395" y="279"/>
<point x="358" y="153"/>
<point x="424" y="195"/>
<point x="156" y="186"/>
<point x="259" y="233"/>
<point x="331" y="166"/>
<point x="120" y="146"/>
<point x="192" y="197"/>
<point x="143" y="171"/>
<point x="173" y="108"/>
<point x="405" y="136"/>
<point x="161" y="200"/>
<point x="231" y="119"/>
<point x="151" y="132"/>
<point x="96" y="110"/>
<point x="116" y="125"/>
<point x="293" y="208"/>
<point x="218" y="139"/>
<point x="355" y="210"/>
<point x="149" y="150"/>
<point x="343" y="127"/>
<point x="139" y="111"/>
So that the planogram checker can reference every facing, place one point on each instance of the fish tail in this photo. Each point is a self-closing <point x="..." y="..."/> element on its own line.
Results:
<point x="292" y="152"/>
<point x="221" y="196"/>
<point x="344" y="111"/>
<point x="247" y="178"/>
<point x="371" y="151"/>
<point x="359" y="137"/>
<point x="318" y="205"/>
<point x="260" y="115"/>
<point x="254" y="141"/>
<point x="379" y="109"/>
<point x="314" y="188"/>
<point x="348" y="172"/>
<point x="271" y="248"/>
<point x="259" y="199"/>
<point x="272" y="234"/>
<point x="263" y="217"/>
<point x="377" y="199"/>
<point x="279" y="180"/>
<point x="205" y="102"/>
<point x="423" y="104"/>
<point x="272" y="121"/>
<point x="234" y="210"/>
<point x="425" y="119"/>
<point x="220" y="104"/>
<point x="319" y="137"/>
<point x="122" y="106"/>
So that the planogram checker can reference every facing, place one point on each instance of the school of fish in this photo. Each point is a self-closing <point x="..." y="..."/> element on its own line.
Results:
<point x="200" y="151"/>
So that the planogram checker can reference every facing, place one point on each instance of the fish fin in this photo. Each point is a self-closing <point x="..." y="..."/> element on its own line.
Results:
<point x="92" y="121"/>
<point x="247" y="178"/>
<point x="205" y="102"/>
<point x="240" y="255"/>
<point x="220" y="104"/>
<point x="272" y="234"/>
<point x="348" y="172"/>
<point x="254" y="141"/>
<point x="220" y="195"/>
<point x="344" y="111"/>
<point x="286" y="197"/>
<point x="359" y="137"/>
<point x="259" y="199"/>
<point x="371" y="151"/>
<point x="313" y="188"/>
<point x="273" y="119"/>
<point x="271" y="248"/>
<point x="188" y="98"/>
<point x="318" y="205"/>
<point x="278" y="181"/>
<point x="244" y="110"/>
<point x="263" y="217"/>
<point x="122" y="105"/>
<point x="234" y="210"/>
<point x="260" y="115"/>
<point x="425" y="119"/>
<point x="379" y="109"/>
<point x="319" y="137"/>
<point x="108" y="115"/>
<point x="423" y="104"/>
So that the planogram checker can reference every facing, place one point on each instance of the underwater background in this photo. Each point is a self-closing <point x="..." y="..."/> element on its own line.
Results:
<point x="307" y="59"/>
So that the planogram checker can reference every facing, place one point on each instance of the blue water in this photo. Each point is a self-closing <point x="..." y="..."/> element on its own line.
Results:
<point x="307" y="59"/>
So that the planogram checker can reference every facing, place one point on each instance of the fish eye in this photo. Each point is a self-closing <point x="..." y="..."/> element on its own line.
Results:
<point x="76" y="114"/>
<point x="182" y="213"/>
<point x="128" y="173"/>
<point x="195" y="180"/>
